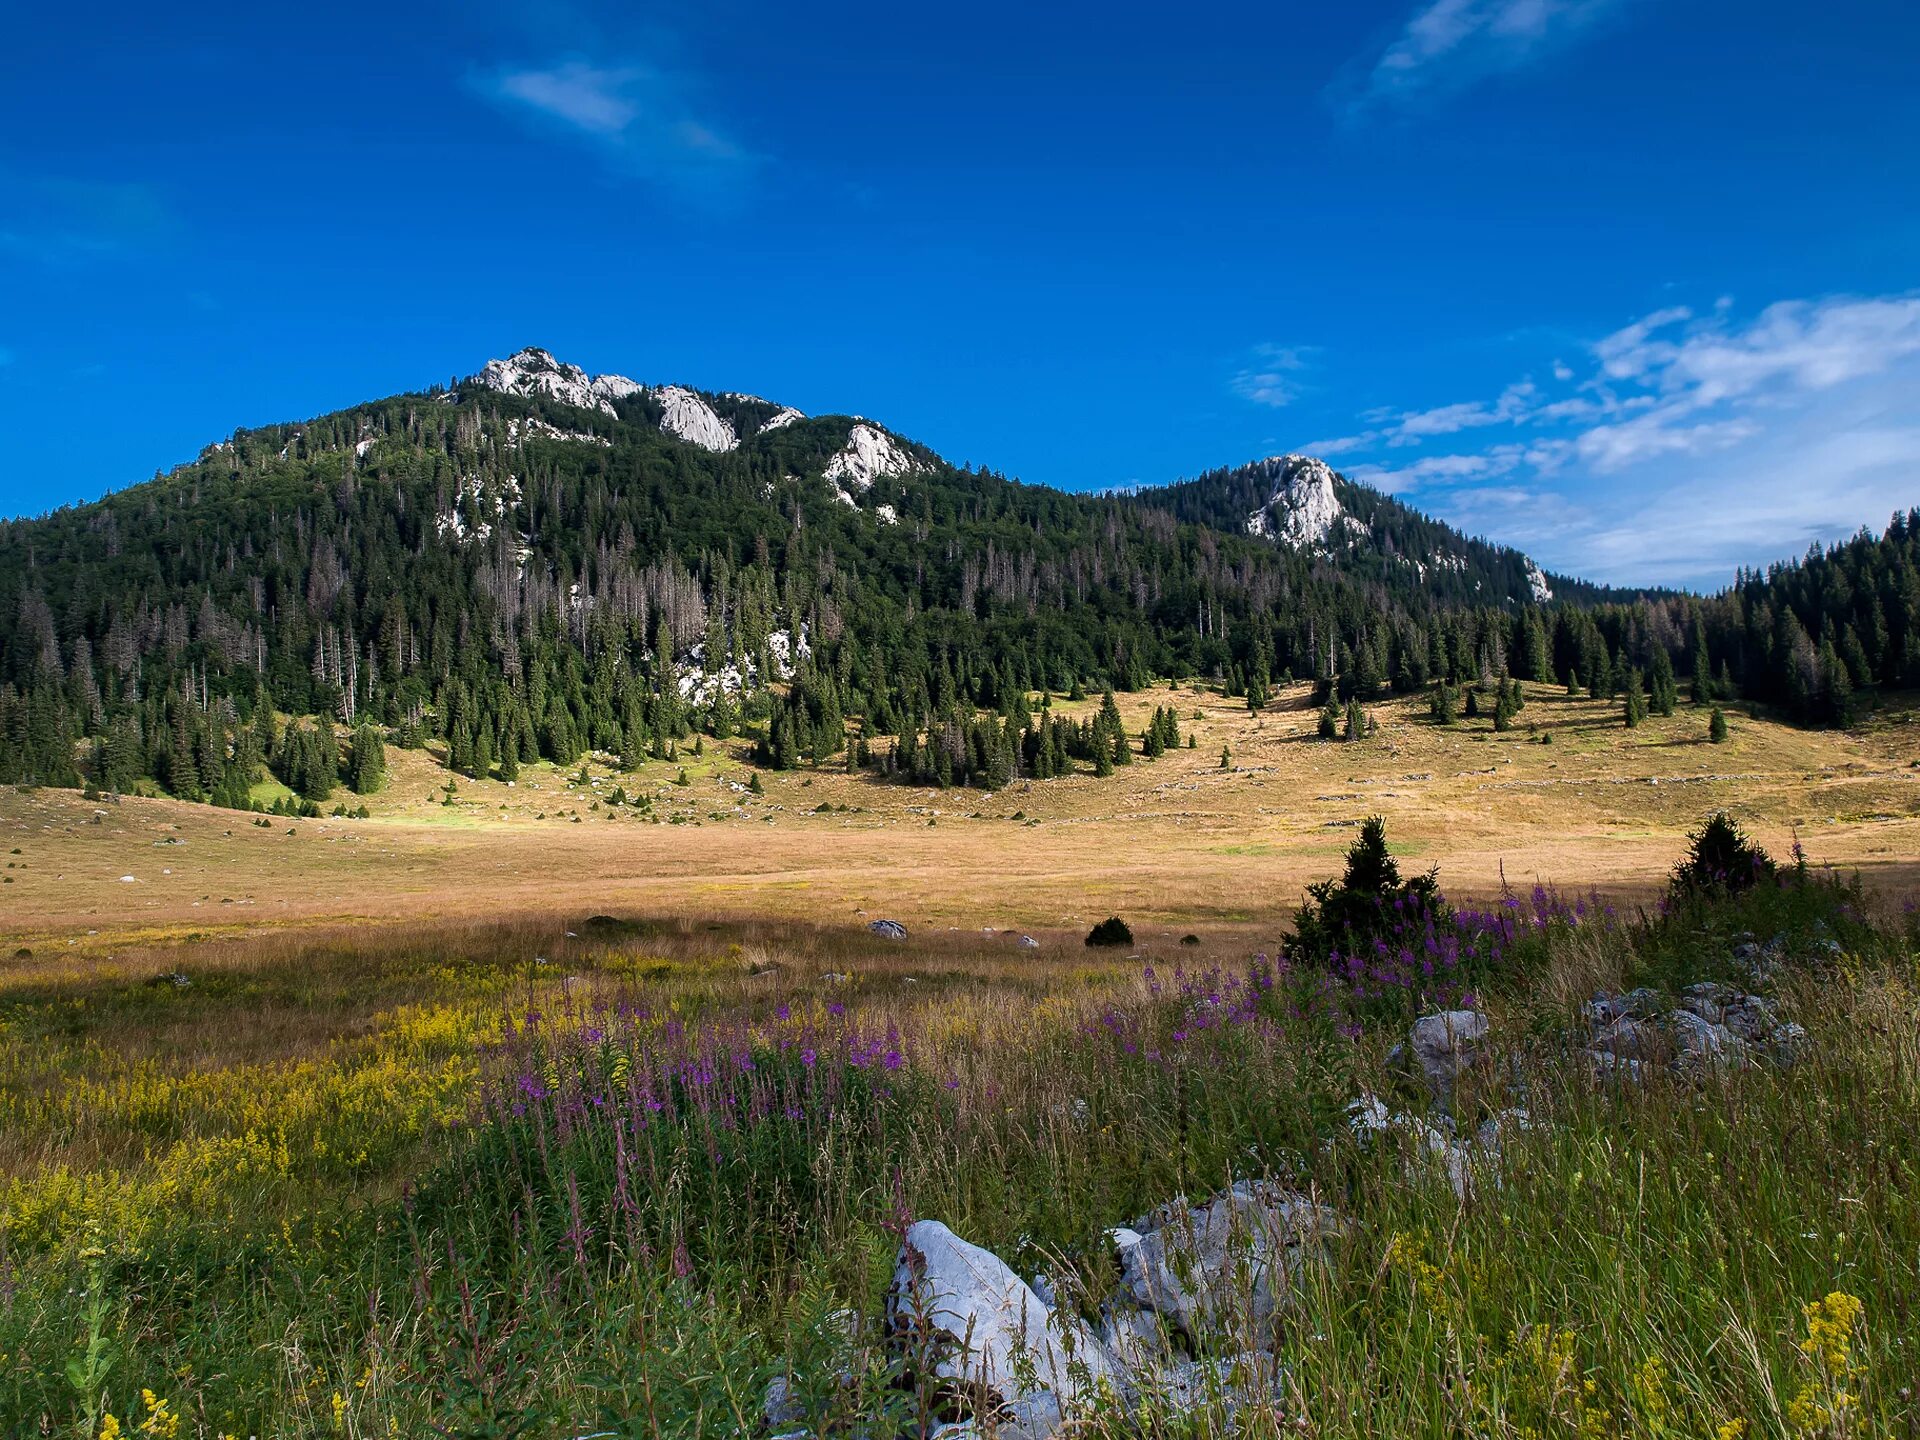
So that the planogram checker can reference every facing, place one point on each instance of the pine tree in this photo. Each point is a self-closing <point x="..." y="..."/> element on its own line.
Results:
<point x="1664" y="691"/>
<point x="1329" y="727"/>
<point x="367" y="760"/>
<point x="1226" y="758"/>
<point x="1717" y="726"/>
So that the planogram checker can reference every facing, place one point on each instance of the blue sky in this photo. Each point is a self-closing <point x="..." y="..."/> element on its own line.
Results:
<point x="1634" y="284"/>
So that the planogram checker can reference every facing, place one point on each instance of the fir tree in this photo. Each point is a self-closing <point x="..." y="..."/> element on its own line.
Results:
<point x="367" y="759"/>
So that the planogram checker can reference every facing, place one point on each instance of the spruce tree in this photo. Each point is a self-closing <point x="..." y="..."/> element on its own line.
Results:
<point x="1717" y="726"/>
<point x="1663" y="690"/>
<point x="367" y="759"/>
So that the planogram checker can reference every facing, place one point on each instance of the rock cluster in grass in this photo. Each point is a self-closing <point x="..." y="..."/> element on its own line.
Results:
<point x="1189" y="1322"/>
<point x="1439" y="1052"/>
<point x="1710" y="1026"/>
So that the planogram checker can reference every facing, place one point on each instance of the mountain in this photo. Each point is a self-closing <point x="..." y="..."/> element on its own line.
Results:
<point x="538" y="562"/>
<point x="1301" y="502"/>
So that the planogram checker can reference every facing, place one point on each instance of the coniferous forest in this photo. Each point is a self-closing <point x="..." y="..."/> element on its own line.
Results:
<point x="522" y="579"/>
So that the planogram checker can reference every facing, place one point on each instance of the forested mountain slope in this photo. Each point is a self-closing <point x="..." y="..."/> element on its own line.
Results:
<point x="540" y="561"/>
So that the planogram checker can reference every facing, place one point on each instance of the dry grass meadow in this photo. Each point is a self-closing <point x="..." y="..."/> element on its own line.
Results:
<point x="1181" y="842"/>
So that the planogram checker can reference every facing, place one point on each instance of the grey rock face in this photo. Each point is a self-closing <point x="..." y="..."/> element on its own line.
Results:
<point x="969" y="1320"/>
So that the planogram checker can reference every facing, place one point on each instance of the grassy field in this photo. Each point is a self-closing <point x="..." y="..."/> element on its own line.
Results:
<point x="1176" y="843"/>
<point x="464" y="1121"/>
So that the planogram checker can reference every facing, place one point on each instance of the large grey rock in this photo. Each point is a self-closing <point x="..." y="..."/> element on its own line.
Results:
<point x="1709" y="1000"/>
<point x="970" y="1321"/>
<point x="1031" y="1417"/>
<point x="1445" y="1045"/>
<point x="1228" y="1265"/>
<point x="1219" y="1391"/>
<point x="1702" y="1044"/>
<point x="1750" y="1017"/>
<point x="888" y="929"/>
<point x="781" y="1409"/>
<point x="1628" y="1039"/>
<point x="1788" y="1045"/>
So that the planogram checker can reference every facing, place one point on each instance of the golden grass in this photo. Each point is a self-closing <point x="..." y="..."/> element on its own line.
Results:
<point x="1176" y="843"/>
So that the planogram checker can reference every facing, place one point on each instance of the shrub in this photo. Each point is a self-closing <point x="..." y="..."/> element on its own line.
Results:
<point x="1347" y="915"/>
<point x="1110" y="931"/>
<point x="1722" y="859"/>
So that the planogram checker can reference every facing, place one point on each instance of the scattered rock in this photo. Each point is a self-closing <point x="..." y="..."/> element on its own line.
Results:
<point x="1715" y="1025"/>
<point x="1234" y="1256"/>
<point x="1027" y="942"/>
<point x="887" y="929"/>
<point x="1628" y="1039"/>
<point x="1752" y="1018"/>
<point x="1435" y="1143"/>
<point x="1701" y="1043"/>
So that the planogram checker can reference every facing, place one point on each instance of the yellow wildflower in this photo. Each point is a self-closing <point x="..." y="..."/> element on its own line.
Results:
<point x="1648" y="1388"/>
<point x="1825" y="1405"/>
<point x="160" y="1422"/>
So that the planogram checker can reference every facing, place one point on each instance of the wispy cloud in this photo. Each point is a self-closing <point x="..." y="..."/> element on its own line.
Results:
<point x="1693" y="444"/>
<point x="1272" y="376"/>
<point x="1447" y="45"/>
<point x="641" y="118"/>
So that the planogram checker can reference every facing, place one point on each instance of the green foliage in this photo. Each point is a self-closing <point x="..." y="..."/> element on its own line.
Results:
<point x="1345" y="916"/>
<point x="1717" y="726"/>
<point x="382" y="611"/>
<point x="366" y="759"/>
<point x="1720" y="858"/>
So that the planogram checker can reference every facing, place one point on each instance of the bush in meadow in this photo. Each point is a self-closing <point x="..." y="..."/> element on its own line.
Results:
<point x="1721" y="858"/>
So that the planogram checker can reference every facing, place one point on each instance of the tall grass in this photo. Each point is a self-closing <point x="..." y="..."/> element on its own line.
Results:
<point x="619" y="1191"/>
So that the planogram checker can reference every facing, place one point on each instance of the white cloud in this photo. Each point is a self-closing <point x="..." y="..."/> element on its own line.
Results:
<point x="1696" y="443"/>
<point x="1447" y="45"/>
<point x="639" y="116"/>
<point x="1451" y="419"/>
<point x="1268" y="380"/>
